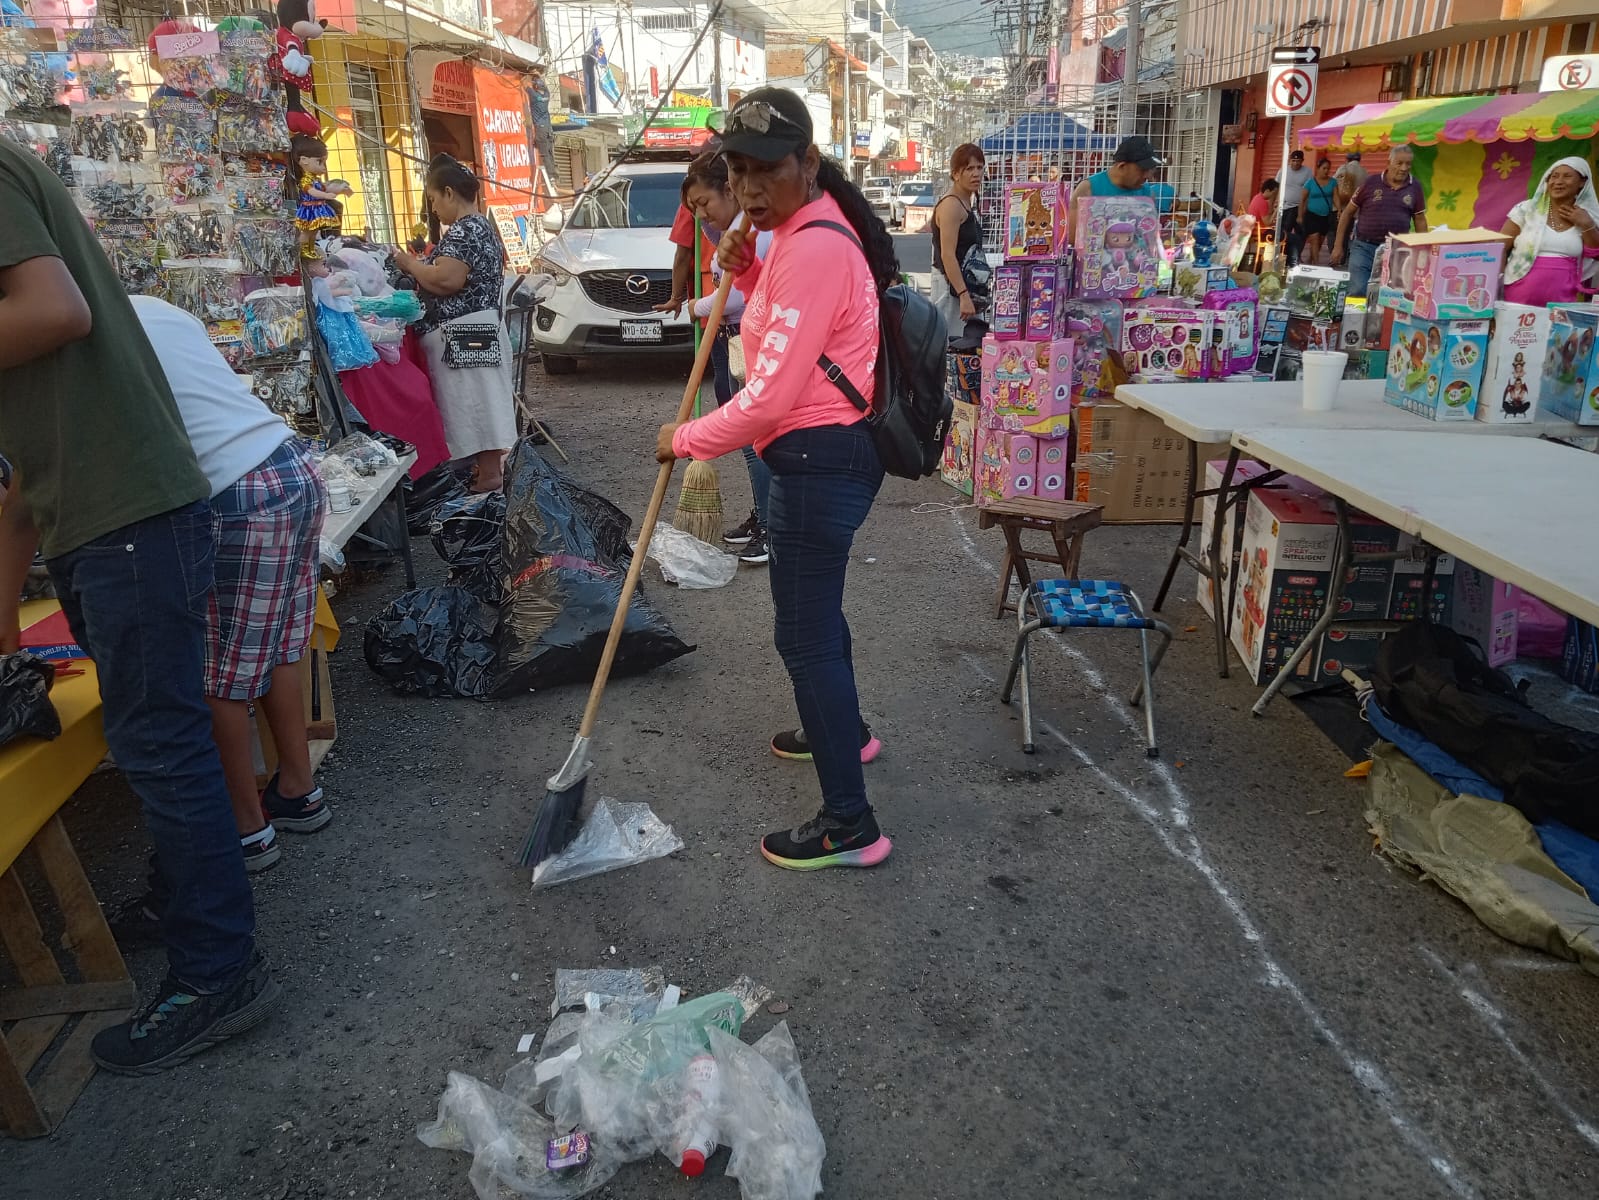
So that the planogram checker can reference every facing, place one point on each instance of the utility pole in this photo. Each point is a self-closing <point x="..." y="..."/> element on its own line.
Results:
<point x="849" y="126"/>
<point x="716" y="61"/>
<point x="1127" y="122"/>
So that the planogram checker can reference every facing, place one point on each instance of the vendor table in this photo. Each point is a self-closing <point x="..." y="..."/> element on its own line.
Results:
<point x="371" y="494"/>
<point x="1535" y="529"/>
<point x="1215" y="412"/>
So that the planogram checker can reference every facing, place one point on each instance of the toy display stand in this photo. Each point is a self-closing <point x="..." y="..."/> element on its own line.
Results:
<point x="1065" y="521"/>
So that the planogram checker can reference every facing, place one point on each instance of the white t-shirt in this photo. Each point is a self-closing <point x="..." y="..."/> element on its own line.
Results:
<point x="735" y="298"/>
<point x="1562" y="243"/>
<point x="1294" y="185"/>
<point x="231" y="431"/>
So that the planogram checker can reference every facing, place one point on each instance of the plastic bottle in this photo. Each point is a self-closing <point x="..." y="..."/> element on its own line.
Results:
<point x="697" y="1135"/>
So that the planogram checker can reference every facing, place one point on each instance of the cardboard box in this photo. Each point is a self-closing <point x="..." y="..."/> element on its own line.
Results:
<point x="1119" y="252"/>
<point x="1035" y="220"/>
<point x="1285" y="571"/>
<point x="1273" y="332"/>
<point x="1579" y="661"/>
<point x="1027" y="387"/>
<point x="1435" y="368"/>
<point x="1487" y="609"/>
<point x="1571" y="367"/>
<point x="1163" y="344"/>
<point x="1443" y="275"/>
<point x="1131" y="464"/>
<point x="1513" y="376"/>
<point x="1010" y="301"/>
<point x="1192" y="283"/>
<point x="963" y="378"/>
<point x="1095" y="327"/>
<point x="1247" y="468"/>
<point x="956" y="467"/>
<point x="1317" y="292"/>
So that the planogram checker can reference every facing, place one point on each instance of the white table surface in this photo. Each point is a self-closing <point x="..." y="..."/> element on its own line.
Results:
<point x="370" y="493"/>
<point x="1213" y="412"/>
<point x="1518" y="508"/>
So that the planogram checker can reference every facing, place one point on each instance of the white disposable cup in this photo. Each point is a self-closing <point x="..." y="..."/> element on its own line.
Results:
<point x="340" y="498"/>
<point x="1320" y="374"/>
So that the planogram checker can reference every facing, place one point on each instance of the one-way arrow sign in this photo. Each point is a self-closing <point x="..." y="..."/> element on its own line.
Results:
<point x="1303" y="55"/>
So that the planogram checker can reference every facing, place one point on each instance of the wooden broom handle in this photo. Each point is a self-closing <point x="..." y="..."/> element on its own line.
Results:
<point x="652" y="514"/>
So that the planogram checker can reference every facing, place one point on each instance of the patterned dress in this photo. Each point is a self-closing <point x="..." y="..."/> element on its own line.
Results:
<point x="470" y="240"/>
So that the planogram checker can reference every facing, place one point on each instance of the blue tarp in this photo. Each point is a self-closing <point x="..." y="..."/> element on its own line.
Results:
<point x="1047" y="132"/>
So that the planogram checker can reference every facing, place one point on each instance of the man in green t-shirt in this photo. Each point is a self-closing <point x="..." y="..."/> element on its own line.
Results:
<point x="107" y="486"/>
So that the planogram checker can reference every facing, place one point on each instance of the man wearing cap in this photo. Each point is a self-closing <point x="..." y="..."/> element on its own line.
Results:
<point x="1295" y="175"/>
<point x="1128" y="175"/>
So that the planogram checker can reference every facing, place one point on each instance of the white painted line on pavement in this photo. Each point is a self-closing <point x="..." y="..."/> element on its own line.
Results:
<point x="1366" y="1073"/>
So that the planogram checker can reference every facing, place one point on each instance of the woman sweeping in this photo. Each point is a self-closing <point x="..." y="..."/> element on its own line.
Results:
<point x="814" y="294"/>
<point x="1557" y="237"/>
<point x="461" y="283"/>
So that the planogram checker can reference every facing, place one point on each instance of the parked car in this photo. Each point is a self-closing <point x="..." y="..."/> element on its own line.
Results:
<point x="612" y="263"/>
<point x="919" y="208"/>
<point x="906" y="191"/>
<point x="879" y="192"/>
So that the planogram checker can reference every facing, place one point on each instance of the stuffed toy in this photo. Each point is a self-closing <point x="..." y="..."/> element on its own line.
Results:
<point x="297" y="25"/>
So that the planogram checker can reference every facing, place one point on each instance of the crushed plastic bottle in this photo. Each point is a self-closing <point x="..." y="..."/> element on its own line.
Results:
<point x="695" y="1136"/>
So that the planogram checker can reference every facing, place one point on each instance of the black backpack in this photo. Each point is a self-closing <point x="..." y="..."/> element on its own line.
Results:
<point x="910" y="414"/>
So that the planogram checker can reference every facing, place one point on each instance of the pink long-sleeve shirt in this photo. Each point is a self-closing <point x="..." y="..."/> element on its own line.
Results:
<point x="812" y="294"/>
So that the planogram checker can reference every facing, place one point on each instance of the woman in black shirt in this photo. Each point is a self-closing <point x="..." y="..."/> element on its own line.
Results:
<point x="956" y="230"/>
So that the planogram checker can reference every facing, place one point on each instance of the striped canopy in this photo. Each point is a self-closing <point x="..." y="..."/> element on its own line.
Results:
<point x="1535" y="116"/>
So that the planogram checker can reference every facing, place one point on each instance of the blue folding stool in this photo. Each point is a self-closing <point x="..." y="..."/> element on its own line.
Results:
<point x="1083" y="604"/>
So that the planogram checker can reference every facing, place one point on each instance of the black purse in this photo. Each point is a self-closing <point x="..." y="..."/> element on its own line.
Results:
<point x="471" y="346"/>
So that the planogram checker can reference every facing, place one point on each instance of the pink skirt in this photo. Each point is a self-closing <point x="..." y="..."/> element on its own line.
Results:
<point x="1552" y="280"/>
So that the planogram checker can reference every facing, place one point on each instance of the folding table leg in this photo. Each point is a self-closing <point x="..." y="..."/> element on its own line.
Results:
<point x="1148" y="693"/>
<point x="1335" y="595"/>
<point x="1213" y="562"/>
<point x="1188" y="526"/>
<point x="405" y="534"/>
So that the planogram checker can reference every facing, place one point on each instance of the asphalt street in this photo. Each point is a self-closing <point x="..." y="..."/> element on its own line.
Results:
<point x="1081" y="973"/>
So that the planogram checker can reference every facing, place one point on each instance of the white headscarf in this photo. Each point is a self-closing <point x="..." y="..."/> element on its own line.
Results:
<point x="1525" y="252"/>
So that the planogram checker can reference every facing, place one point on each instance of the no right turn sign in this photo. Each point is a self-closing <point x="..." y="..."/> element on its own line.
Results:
<point x="1291" y="81"/>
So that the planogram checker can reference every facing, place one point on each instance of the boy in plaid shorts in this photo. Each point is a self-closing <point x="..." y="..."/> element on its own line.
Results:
<point x="267" y="506"/>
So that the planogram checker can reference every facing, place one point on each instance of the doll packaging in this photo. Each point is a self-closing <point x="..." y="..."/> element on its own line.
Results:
<point x="1119" y="251"/>
<point x="1513" y="378"/>
<point x="1435" y="367"/>
<point x="1571" y="365"/>
<point x="1035" y="221"/>
<point x="1027" y="387"/>
<point x="1169" y="344"/>
<point x="1010" y="301"/>
<point x="1443" y="275"/>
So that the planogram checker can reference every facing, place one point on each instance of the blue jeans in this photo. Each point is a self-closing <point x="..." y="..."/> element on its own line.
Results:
<point x="1361" y="256"/>
<point x="823" y="483"/>
<point x="760" y="474"/>
<point x="137" y="601"/>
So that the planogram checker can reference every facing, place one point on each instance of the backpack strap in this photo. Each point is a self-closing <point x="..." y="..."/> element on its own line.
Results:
<point x="834" y="372"/>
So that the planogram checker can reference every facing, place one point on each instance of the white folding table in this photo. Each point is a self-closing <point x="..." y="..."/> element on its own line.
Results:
<point x="1518" y="508"/>
<point x="371" y="493"/>
<point x="1214" y="412"/>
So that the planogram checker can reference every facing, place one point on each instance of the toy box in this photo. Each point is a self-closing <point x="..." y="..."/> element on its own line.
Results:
<point x="1119" y="252"/>
<point x="1048" y="285"/>
<point x="1095" y="327"/>
<point x="1010" y="301"/>
<point x="1285" y="568"/>
<point x="1035" y="220"/>
<point x="1317" y="292"/>
<point x="956" y="467"/>
<point x="1513" y="376"/>
<point x="1053" y="467"/>
<point x="1579" y="661"/>
<point x="1193" y="283"/>
<point x="1027" y="386"/>
<point x="1165" y="344"/>
<point x="1247" y="468"/>
<point x="1352" y="327"/>
<point x="1487" y="610"/>
<point x="1435" y="367"/>
<point x="963" y="378"/>
<point x="1273" y="321"/>
<point x="1444" y="275"/>
<point x="1008" y="468"/>
<point x="1236" y="309"/>
<point x="1571" y="366"/>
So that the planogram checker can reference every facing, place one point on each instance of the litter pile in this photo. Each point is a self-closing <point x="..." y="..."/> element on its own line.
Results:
<point x="535" y="576"/>
<point x="627" y="1071"/>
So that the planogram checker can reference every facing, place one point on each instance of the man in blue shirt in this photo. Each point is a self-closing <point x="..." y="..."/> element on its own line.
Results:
<point x="1135" y="161"/>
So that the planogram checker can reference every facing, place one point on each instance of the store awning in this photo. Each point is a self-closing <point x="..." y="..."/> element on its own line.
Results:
<point x="1046" y="132"/>
<point x="1534" y="116"/>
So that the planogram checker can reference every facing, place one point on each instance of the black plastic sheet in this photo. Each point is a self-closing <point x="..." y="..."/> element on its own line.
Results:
<point x="436" y="641"/>
<point x="25" y="707"/>
<point x="424" y="496"/>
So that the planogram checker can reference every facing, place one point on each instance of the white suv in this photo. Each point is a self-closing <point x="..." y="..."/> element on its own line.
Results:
<point x="612" y="263"/>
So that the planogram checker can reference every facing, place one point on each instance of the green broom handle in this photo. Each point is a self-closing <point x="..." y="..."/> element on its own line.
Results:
<point x="663" y="480"/>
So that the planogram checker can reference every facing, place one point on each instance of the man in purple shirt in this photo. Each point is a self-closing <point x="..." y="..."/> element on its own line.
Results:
<point x="1388" y="203"/>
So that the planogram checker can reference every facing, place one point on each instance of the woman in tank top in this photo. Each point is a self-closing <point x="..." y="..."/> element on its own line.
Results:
<point x="956" y="230"/>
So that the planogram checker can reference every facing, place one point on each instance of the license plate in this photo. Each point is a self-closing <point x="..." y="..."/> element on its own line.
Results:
<point x="641" y="331"/>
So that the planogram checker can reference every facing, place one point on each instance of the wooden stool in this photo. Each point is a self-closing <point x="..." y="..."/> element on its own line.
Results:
<point x="34" y="1015"/>
<point x="1064" y="520"/>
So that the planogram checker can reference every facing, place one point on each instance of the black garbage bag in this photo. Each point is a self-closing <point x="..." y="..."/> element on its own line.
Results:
<point x="25" y="707"/>
<point x="436" y="641"/>
<point x="1440" y="684"/>
<point x="565" y="553"/>
<point x="424" y="495"/>
<point x="467" y="532"/>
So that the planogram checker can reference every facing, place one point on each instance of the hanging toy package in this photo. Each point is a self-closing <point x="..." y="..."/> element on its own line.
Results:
<point x="198" y="233"/>
<point x="267" y="246"/>
<point x="255" y="192"/>
<point x="274" y="322"/>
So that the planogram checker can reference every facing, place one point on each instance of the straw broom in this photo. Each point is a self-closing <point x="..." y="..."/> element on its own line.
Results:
<point x="699" y="504"/>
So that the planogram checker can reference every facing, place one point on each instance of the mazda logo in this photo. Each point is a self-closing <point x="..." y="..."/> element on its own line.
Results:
<point x="638" y="285"/>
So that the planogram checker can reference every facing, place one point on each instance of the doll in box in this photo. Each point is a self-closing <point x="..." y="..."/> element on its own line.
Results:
<point x="1118" y="247"/>
<point x="1514" y="402"/>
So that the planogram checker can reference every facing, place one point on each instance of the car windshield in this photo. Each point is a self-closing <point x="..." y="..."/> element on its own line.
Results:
<point x="912" y="189"/>
<point x="630" y="202"/>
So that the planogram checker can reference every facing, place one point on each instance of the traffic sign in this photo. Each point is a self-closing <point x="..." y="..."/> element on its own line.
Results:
<point x="1570" y="73"/>
<point x="1291" y="87"/>
<point x="1304" y="55"/>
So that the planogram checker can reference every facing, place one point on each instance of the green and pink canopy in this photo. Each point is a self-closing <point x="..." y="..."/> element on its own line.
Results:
<point x="1476" y="156"/>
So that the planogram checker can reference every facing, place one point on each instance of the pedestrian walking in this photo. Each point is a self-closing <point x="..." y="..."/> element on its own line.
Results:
<point x="1315" y="218"/>
<point x="812" y="312"/>
<point x="1348" y="177"/>
<point x="108" y="488"/>
<point x="1392" y="202"/>
<point x="1295" y="175"/>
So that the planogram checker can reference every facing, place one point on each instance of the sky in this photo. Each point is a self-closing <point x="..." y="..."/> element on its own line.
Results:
<point x="962" y="26"/>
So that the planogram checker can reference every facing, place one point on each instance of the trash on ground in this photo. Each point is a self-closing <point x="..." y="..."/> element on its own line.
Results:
<point x="689" y="562"/>
<point x="616" y="834"/>
<point x="607" y="1089"/>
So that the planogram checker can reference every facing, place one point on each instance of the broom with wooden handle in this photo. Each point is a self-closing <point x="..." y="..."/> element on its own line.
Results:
<point x="555" y="823"/>
<point x="699" y="504"/>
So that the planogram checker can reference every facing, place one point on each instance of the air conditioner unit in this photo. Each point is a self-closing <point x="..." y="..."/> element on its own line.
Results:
<point x="1396" y="77"/>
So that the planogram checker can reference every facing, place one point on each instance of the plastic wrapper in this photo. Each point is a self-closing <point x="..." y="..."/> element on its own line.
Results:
<point x="348" y="347"/>
<point x="185" y="129"/>
<point x="198" y="179"/>
<point x="25" y="708"/>
<point x="436" y="641"/>
<point x="765" y="1117"/>
<point x="689" y="562"/>
<point x="274" y="321"/>
<point x="267" y="246"/>
<point x="102" y="35"/>
<point x="616" y="834"/>
<point x="196" y="73"/>
<point x="245" y="54"/>
<point x="117" y="201"/>
<point x="366" y="268"/>
<point x="365" y="455"/>
<point x="34" y="90"/>
<point x="134" y="252"/>
<point x="202" y="233"/>
<point x="383" y="331"/>
<point x="248" y="127"/>
<point x="208" y="288"/>
<point x="255" y="193"/>
<point x="286" y="391"/>
<point x="632" y="993"/>
<point x="403" y="305"/>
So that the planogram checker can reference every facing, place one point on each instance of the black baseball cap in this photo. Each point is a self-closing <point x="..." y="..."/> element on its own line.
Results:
<point x="1139" y="151"/>
<point x="768" y="124"/>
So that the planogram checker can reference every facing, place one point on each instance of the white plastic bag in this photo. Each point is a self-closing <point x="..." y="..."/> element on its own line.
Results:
<point x="616" y="835"/>
<point x="766" y="1118"/>
<point x="689" y="562"/>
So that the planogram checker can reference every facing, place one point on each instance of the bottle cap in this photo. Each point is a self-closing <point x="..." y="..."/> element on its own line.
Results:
<point x="693" y="1164"/>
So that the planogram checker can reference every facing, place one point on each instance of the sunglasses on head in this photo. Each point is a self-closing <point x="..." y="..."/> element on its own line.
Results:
<point x="756" y="116"/>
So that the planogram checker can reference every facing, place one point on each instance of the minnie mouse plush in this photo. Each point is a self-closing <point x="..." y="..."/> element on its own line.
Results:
<point x="297" y="25"/>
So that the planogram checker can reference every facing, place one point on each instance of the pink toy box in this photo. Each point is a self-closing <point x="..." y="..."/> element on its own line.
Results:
<point x="1488" y="610"/>
<point x="1445" y="275"/>
<point x="1119" y="252"/>
<point x="1035" y="221"/>
<point x="956" y="467"/>
<point x="1010" y="301"/>
<point x="1053" y="469"/>
<point x="1027" y="386"/>
<point x="1008" y="467"/>
<point x="1095" y="327"/>
<point x="1168" y="344"/>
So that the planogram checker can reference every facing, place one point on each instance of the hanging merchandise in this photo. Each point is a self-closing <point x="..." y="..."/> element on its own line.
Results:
<point x="274" y="322"/>
<point x="291" y="65"/>
<point x="267" y="246"/>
